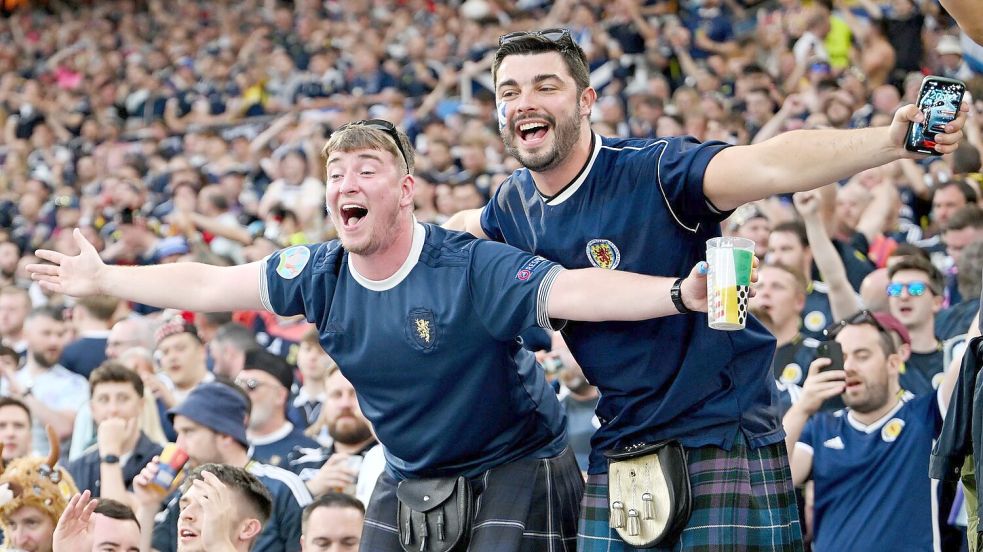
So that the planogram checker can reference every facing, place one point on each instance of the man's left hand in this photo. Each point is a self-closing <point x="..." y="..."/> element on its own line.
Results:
<point x="218" y="509"/>
<point x="73" y="526"/>
<point x="947" y="142"/>
<point x="112" y="434"/>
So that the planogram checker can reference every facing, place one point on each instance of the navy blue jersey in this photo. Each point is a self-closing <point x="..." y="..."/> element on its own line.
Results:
<point x="432" y="351"/>
<point x="872" y="486"/>
<point x="792" y="360"/>
<point x="817" y="313"/>
<point x="638" y="206"/>
<point x="274" y="449"/>
<point x="923" y="372"/>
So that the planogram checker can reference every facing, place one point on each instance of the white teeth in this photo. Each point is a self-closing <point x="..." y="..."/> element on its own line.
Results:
<point x="528" y="126"/>
<point x="352" y="206"/>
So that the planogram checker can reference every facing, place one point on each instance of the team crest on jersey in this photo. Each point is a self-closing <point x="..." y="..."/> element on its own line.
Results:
<point x="603" y="254"/>
<point x="815" y="321"/>
<point x="892" y="429"/>
<point x="937" y="380"/>
<point x="292" y="262"/>
<point x="792" y="373"/>
<point x="421" y="328"/>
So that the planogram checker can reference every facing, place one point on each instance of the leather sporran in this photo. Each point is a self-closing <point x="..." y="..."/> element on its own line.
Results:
<point x="649" y="493"/>
<point x="435" y="515"/>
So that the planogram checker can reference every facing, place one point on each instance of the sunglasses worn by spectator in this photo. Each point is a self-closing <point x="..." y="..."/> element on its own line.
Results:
<point x="553" y="35"/>
<point x="862" y="317"/>
<point x="384" y="126"/>
<point x="915" y="289"/>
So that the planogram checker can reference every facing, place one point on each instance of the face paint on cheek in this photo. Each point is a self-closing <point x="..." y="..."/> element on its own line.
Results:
<point x="502" y="119"/>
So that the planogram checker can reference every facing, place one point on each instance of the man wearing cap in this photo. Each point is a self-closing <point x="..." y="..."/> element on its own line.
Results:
<point x="951" y="62"/>
<point x="915" y="298"/>
<point x="750" y="222"/>
<point x="211" y="428"/>
<point x="267" y="379"/>
<point x="182" y="358"/>
<point x="869" y="462"/>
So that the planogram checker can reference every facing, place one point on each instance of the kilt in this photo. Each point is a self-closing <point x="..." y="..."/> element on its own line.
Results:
<point x="529" y="505"/>
<point x="743" y="499"/>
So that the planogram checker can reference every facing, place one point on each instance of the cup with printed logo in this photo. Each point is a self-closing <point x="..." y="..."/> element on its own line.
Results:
<point x="729" y="263"/>
<point x="172" y="459"/>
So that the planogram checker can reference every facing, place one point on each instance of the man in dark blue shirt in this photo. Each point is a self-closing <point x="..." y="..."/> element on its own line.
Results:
<point x="649" y="206"/>
<point x="122" y="449"/>
<point x="423" y="322"/>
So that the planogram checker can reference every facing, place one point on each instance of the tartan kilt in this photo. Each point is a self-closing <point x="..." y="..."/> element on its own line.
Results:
<point x="743" y="500"/>
<point x="524" y="506"/>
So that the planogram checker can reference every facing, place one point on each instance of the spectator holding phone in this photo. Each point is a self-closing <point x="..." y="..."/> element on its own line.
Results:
<point x="870" y="463"/>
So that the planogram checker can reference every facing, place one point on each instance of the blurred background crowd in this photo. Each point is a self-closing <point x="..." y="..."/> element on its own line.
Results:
<point x="191" y="131"/>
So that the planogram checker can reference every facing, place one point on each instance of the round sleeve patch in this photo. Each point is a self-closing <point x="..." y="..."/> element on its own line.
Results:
<point x="292" y="262"/>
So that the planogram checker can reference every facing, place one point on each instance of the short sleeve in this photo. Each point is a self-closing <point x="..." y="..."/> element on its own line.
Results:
<point x="509" y="288"/>
<point x="679" y="169"/>
<point x="808" y="436"/>
<point x="489" y="220"/>
<point x="291" y="285"/>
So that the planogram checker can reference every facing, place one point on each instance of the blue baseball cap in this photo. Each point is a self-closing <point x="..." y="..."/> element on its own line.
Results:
<point x="217" y="406"/>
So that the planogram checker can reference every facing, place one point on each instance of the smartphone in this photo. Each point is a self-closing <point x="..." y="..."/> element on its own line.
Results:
<point x="939" y="100"/>
<point x="834" y="352"/>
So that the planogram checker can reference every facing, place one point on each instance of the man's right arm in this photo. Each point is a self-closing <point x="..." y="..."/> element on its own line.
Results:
<point x="967" y="14"/>
<point x="467" y="221"/>
<point x="186" y="286"/>
<point x="818" y="387"/>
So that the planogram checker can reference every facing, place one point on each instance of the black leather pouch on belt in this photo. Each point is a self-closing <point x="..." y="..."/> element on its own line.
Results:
<point x="435" y="515"/>
<point x="649" y="493"/>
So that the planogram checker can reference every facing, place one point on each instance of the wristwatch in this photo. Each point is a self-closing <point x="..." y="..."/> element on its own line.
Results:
<point x="676" y="293"/>
<point x="110" y="459"/>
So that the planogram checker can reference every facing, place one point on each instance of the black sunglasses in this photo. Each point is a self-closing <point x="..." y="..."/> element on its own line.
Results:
<point x="862" y="317"/>
<point x="384" y="126"/>
<point x="553" y="35"/>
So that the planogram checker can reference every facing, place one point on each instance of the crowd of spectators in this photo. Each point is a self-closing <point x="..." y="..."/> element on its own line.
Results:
<point x="191" y="131"/>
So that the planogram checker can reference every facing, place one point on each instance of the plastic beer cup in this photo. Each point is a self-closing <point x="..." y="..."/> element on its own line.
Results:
<point x="728" y="282"/>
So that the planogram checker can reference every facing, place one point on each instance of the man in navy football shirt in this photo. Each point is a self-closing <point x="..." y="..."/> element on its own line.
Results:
<point x="423" y="322"/>
<point x="649" y="206"/>
<point x="870" y="460"/>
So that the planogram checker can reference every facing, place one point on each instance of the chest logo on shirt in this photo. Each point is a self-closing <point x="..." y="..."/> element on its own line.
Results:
<point x="421" y="328"/>
<point x="815" y="321"/>
<point x="603" y="254"/>
<point x="892" y="429"/>
<point x="292" y="262"/>
<point x="792" y="373"/>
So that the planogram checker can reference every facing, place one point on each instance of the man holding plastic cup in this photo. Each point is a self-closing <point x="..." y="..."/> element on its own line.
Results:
<point x="650" y="206"/>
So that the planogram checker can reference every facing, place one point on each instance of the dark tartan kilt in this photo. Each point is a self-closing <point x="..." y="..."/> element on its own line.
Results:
<point x="525" y="506"/>
<point x="743" y="500"/>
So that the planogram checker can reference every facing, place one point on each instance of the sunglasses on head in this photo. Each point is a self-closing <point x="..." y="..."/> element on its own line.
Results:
<point x="249" y="384"/>
<point x="862" y="317"/>
<point x="552" y="35"/>
<point x="915" y="289"/>
<point x="384" y="126"/>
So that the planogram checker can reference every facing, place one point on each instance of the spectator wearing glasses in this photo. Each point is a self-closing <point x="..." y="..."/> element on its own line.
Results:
<point x="267" y="379"/>
<point x="915" y="298"/>
<point x="869" y="462"/>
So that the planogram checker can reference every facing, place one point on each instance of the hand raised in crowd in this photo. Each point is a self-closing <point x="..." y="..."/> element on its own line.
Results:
<point x="73" y="525"/>
<point x="113" y="433"/>
<point x="807" y="203"/>
<point x="334" y="475"/>
<point x="820" y="386"/>
<point x="947" y="142"/>
<point x="77" y="276"/>
<point x="159" y="389"/>
<point x="218" y="509"/>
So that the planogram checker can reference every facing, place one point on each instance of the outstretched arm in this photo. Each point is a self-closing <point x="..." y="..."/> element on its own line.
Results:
<point x="627" y="296"/>
<point x="467" y="221"/>
<point x="806" y="159"/>
<point x="186" y="286"/>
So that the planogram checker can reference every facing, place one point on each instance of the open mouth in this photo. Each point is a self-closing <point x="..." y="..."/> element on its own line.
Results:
<point x="853" y="384"/>
<point x="532" y="133"/>
<point x="187" y="534"/>
<point x="905" y="310"/>
<point x="352" y="213"/>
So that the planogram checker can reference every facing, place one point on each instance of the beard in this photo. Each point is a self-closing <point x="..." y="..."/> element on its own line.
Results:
<point x="352" y="433"/>
<point x="876" y="397"/>
<point x="41" y="358"/>
<point x="565" y="137"/>
<point x="382" y="236"/>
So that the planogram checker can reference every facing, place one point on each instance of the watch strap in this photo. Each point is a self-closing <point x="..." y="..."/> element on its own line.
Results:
<point x="676" y="294"/>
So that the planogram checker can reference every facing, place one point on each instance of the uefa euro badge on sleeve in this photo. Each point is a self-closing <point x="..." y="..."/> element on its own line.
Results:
<point x="648" y="493"/>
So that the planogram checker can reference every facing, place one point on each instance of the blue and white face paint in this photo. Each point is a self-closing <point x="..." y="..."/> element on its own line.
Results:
<point x="502" y="119"/>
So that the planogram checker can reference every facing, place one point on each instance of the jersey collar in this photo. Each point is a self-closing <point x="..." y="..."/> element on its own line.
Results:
<point x="877" y="424"/>
<point x="571" y="188"/>
<point x="419" y="233"/>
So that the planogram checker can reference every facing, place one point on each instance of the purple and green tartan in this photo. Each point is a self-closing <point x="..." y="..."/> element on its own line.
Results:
<point x="743" y="500"/>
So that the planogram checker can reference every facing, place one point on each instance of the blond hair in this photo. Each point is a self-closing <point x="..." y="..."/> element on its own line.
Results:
<point x="358" y="136"/>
